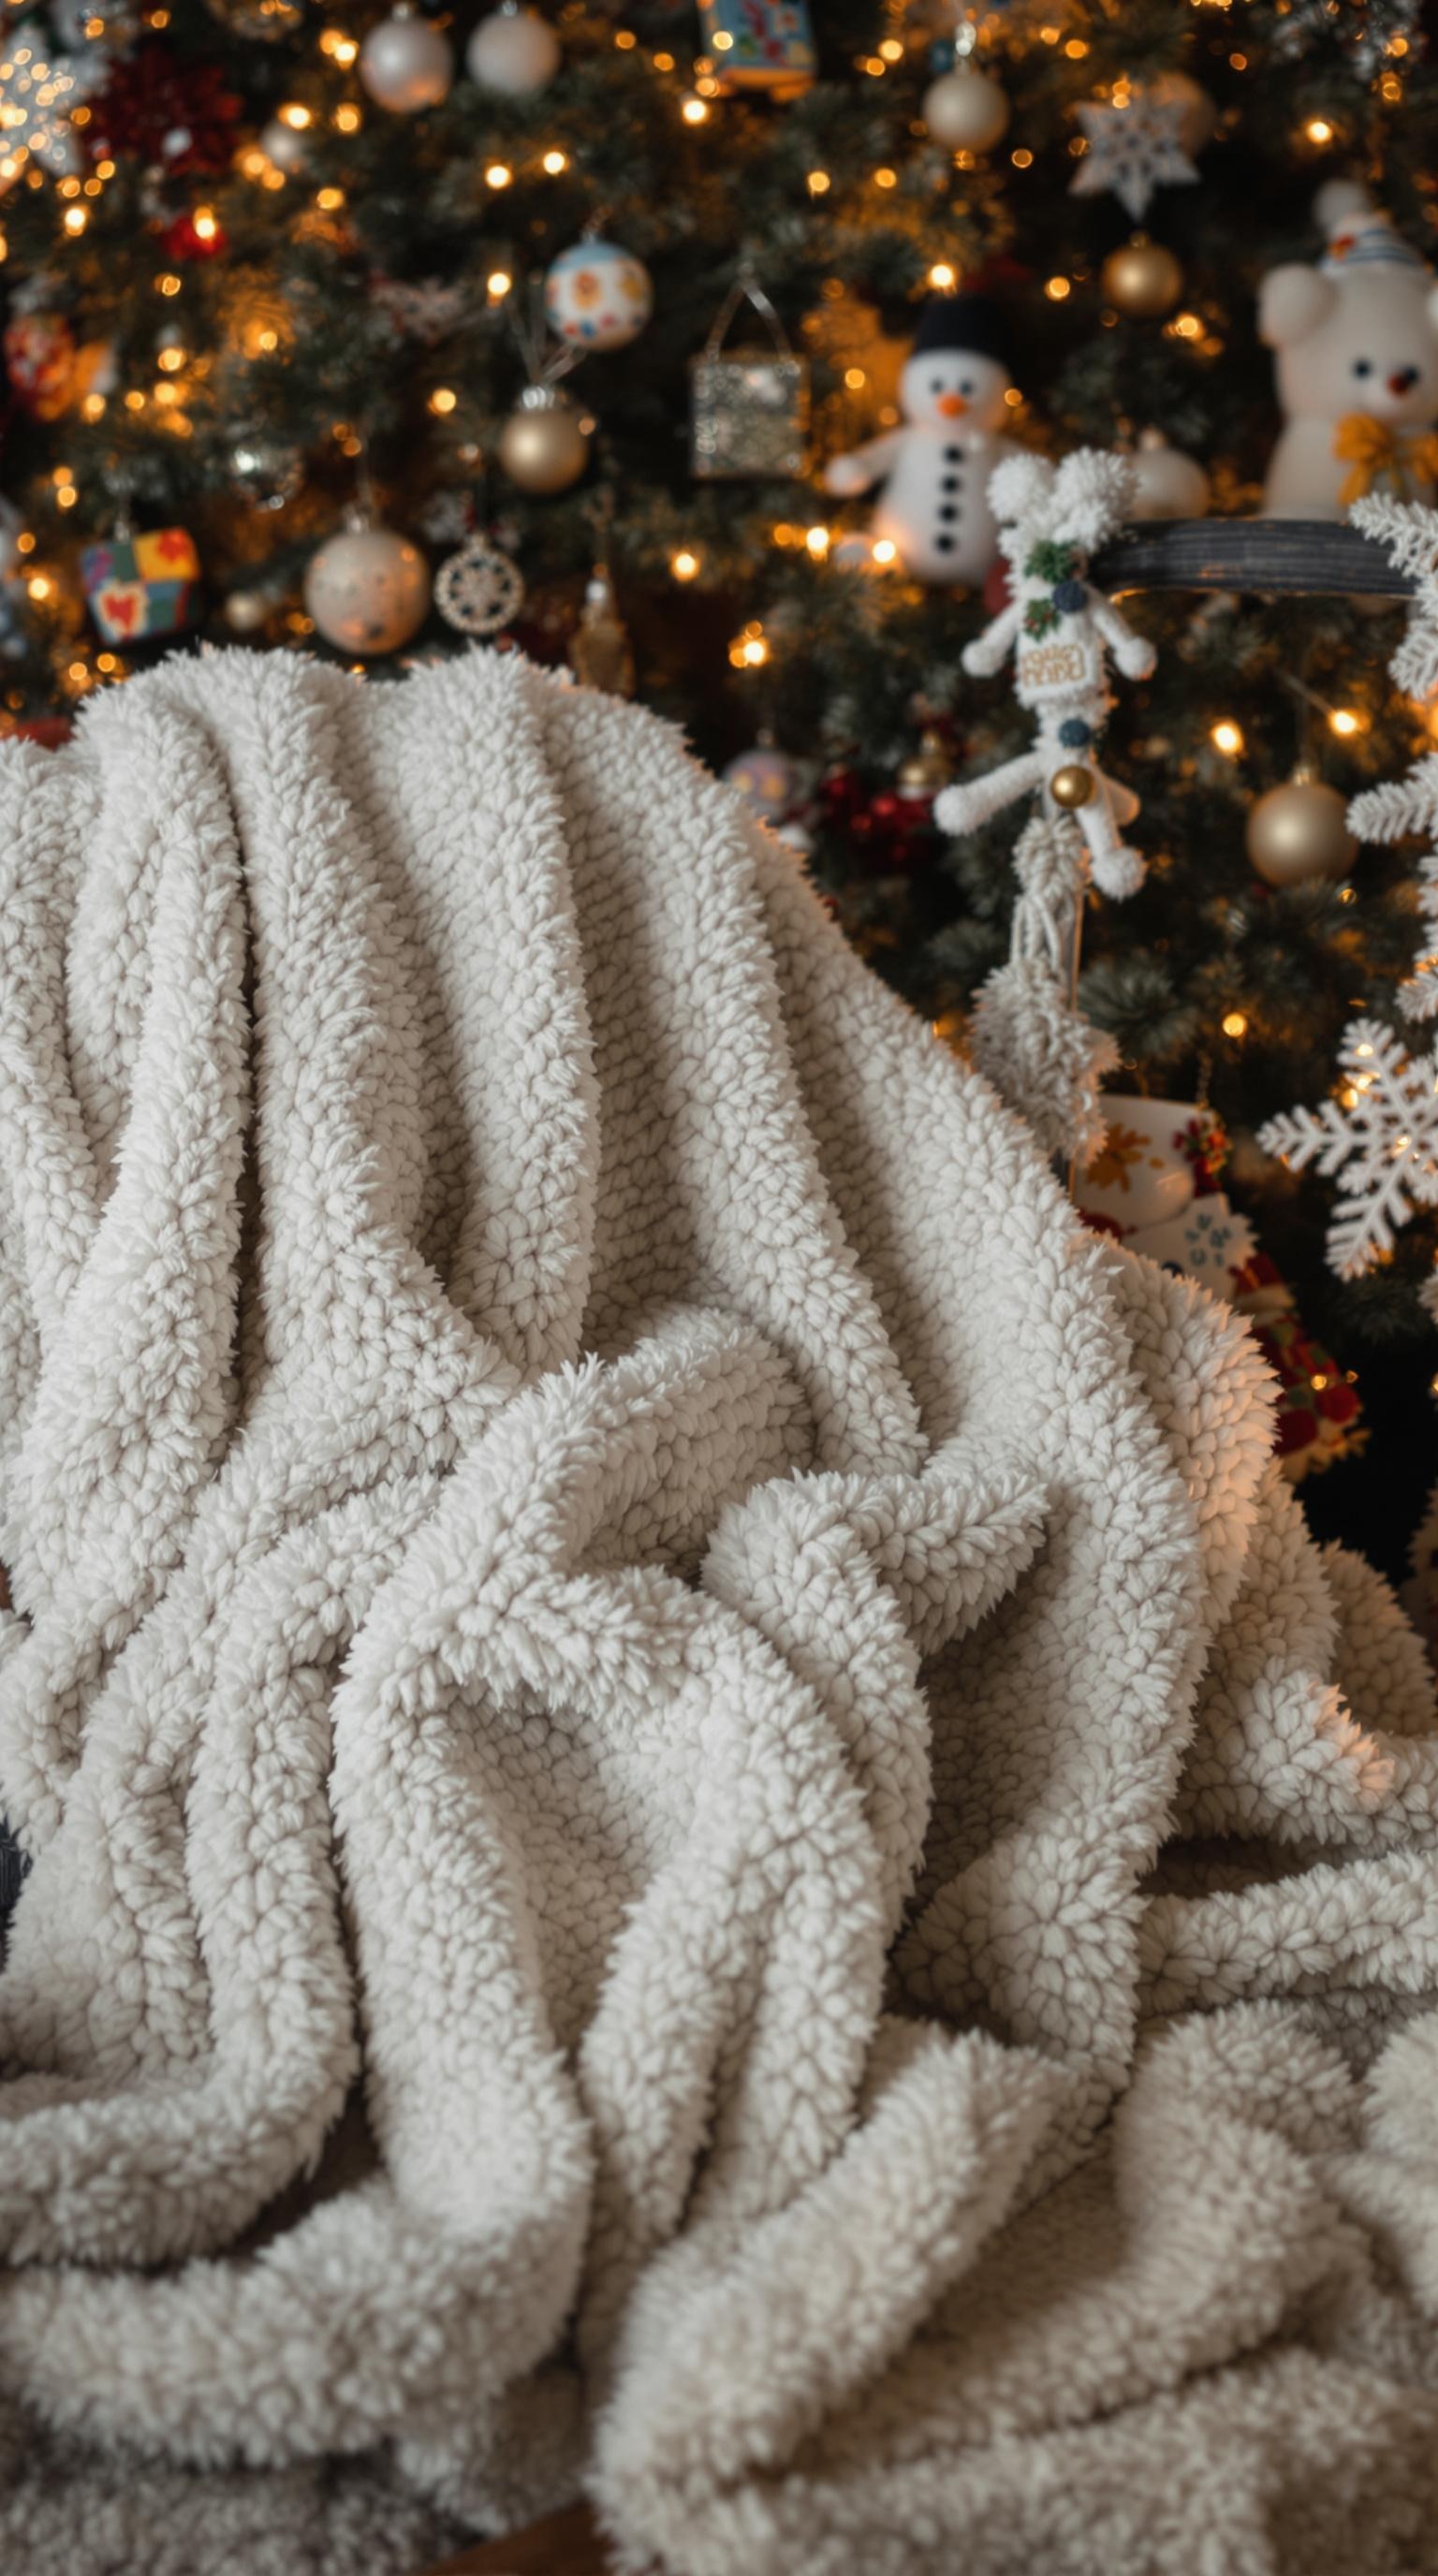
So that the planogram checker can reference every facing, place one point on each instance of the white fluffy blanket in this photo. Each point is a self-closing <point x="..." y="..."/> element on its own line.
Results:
<point x="701" y="1821"/>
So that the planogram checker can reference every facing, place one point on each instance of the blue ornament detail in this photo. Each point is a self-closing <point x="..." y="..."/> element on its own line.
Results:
<point x="1070" y="596"/>
<point x="941" y="56"/>
<point x="1074" y="733"/>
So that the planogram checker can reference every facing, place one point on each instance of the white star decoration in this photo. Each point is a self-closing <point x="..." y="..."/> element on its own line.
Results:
<point x="1380" y="1138"/>
<point x="1133" y="148"/>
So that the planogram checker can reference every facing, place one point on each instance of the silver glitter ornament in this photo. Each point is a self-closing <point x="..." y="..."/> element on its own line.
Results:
<point x="749" y="408"/>
<point x="268" y="470"/>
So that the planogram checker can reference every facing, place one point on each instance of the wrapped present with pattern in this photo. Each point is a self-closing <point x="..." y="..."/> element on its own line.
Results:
<point x="759" y="44"/>
<point x="141" y="587"/>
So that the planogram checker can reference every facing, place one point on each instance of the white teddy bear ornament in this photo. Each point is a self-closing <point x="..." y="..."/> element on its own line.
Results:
<point x="1357" y="344"/>
<point x="1060" y="630"/>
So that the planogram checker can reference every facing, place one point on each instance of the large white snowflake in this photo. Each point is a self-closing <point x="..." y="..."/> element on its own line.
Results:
<point x="1134" y="146"/>
<point x="1401" y="808"/>
<point x="1379" y="1139"/>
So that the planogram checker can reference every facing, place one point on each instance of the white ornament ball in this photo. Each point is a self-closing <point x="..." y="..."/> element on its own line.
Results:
<point x="285" y="145"/>
<point x="513" y="53"/>
<point x="598" y="295"/>
<point x="246" y="611"/>
<point x="406" y="64"/>
<point x="367" y="590"/>
<point x="768" y="779"/>
<point x="966" y="111"/>
<point x="1166" y="483"/>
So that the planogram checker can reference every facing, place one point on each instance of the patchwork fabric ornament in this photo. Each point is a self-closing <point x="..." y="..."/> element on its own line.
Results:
<point x="40" y="363"/>
<point x="749" y="408"/>
<point x="140" y="587"/>
<point x="480" y="590"/>
<point x="770" y="44"/>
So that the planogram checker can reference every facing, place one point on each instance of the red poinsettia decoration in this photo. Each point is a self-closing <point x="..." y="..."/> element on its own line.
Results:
<point x="156" y="107"/>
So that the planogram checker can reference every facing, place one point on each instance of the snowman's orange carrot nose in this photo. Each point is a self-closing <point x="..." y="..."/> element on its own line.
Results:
<point x="951" y="405"/>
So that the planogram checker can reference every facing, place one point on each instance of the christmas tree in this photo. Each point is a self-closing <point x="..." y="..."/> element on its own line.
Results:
<point x="310" y="307"/>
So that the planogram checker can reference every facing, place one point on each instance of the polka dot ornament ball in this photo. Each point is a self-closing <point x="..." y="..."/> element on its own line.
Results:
<point x="368" y="590"/>
<point x="598" y="295"/>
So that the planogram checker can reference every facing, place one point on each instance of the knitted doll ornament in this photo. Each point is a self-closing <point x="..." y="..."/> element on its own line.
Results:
<point x="1061" y="632"/>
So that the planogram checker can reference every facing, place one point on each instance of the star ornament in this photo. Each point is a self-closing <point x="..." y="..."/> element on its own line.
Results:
<point x="1133" y="148"/>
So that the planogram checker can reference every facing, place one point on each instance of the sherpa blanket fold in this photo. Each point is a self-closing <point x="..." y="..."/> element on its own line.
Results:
<point x="701" y="1824"/>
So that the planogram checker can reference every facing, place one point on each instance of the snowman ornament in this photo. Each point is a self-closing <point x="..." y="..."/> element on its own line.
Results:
<point x="935" y="470"/>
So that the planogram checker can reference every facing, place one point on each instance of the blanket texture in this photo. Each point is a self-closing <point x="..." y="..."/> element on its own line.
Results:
<point x="701" y="1824"/>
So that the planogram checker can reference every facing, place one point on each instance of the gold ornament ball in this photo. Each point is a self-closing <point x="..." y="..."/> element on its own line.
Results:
<point x="966" y="111"/>
<point x="544" y="445"/>
<point x="1299" y="831"/>
<point x="1141" y="279"/>
<point x="928" y="769"/>
<point x="1072" y="786"/>
<point x="1198" y="110"/>
<point x="367" y="590"/>
<point x="260" y="21"/>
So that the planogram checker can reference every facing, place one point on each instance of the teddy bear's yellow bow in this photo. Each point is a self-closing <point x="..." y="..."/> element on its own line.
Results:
<point x="1377" y="452"/>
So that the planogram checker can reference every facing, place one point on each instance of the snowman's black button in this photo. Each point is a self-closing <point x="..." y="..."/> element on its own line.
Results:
<point x="949" y="483"/>
<point x="945" y="545"/>
<point x="952" y="455"/>
<point x="948" y="510"/>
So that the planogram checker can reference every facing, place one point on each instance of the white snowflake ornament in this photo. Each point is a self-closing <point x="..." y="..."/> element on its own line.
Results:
<point x="1379" y="1139"/>
<point x="1134" y="146"/>
<point x="479" y="590"/>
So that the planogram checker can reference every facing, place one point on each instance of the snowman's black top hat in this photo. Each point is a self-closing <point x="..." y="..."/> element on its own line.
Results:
<point x="965" y="322"/>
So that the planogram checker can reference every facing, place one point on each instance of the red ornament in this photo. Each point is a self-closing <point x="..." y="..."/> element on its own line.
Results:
<point x="997" y="593"/>
<point x="156" y="107"/>
<point x="40" y="360"/>
<point x="197" y="234"/>
<point x="841" y="798"/>
<point x="48" y="731"/>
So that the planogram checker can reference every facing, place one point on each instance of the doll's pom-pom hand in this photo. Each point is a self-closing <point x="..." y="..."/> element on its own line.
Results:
<point x="1118" y="872"/>
<point x="844" y="476"/>
<point x="983" y="657"/>
<point x="951" y="810"/>
<point x="1136" y="656"/>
